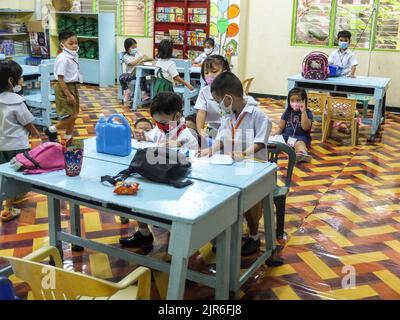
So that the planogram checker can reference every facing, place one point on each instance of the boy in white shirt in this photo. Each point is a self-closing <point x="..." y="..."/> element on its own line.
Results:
<point x="170" y="131"/>
<point x="209" y="50"/>
<point x="66" y="72"/>
<point x="343" y="57"/>
<point x="244" y="133"/>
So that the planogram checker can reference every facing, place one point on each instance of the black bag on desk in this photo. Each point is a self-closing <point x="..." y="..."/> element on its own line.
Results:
<point x="161" y="165"/>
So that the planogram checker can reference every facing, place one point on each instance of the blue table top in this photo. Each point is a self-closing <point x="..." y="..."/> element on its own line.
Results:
<point x="29" y="70"/>
<point x="153" y="67"/>
<point x="189" y="204"/>
<point x="359" y="81"/>
<point x="239" y="175"/>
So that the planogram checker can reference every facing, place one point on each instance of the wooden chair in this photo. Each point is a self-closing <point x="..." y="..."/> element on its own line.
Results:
<point x="316" y="102"/>
<point x="54" y="283"/>
<point x="344" y="110"/>
<point x="246" y="85"/>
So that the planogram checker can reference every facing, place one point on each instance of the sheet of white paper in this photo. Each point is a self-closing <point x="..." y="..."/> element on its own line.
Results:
<point x="142" y="144"/>
<point x="277" y="138"/>
<point x="219" y="159"/>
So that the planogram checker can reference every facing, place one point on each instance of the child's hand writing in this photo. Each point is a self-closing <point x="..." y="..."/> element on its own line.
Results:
<point x="204" y="153"/>
<point x="237" y="155"/>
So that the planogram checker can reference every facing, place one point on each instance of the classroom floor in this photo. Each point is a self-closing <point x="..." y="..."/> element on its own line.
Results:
<point x="343" y="216"/>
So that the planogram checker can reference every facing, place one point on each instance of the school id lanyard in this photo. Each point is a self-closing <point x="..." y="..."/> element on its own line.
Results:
<point x="234" y="128"/>
<point x="291" y="123"/>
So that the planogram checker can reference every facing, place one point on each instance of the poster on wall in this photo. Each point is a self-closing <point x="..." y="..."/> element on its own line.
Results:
<point x="224" y="26"/>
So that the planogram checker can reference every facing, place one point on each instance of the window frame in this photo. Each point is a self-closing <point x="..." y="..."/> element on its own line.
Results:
<point x="120" y="30"/>
<point x="332" y="25"/>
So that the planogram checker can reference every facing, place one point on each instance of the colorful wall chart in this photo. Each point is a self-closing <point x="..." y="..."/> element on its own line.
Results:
<point x="224" y="27"/>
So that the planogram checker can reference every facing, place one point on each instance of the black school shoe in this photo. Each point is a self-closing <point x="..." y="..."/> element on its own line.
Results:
<point x="138" y="241"/>
<point x="51" y="135"/>
<point x="250" y="246"/>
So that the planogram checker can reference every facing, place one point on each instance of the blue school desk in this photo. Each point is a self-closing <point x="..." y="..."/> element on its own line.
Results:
<point x="256" y="182"/>
<point x="367" y="86"/>
<point x="28" y="71"/>
<point x="194" y="215"/>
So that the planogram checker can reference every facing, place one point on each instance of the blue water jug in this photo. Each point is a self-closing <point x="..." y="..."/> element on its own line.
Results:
<point x="100" y="132"/>
<point x="117" y="137"/>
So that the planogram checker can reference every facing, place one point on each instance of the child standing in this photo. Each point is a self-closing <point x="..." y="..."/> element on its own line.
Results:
<point x="244" y="132"/>
<point x="207" y="108"/>
<point x="166" y="72"/>
<point x="343" y="58"/>
<point x="296" y="123"/>
<point x="15" y="124"/>
<point x="132" y="58"/>
<point x="170" y="131"/>
<point x="66" y="71"/>
<point x="209" y="50"/>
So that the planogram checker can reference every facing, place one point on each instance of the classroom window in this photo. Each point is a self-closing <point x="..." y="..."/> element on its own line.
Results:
<point x="135" y="17"/>
<point x="374" y="24"/>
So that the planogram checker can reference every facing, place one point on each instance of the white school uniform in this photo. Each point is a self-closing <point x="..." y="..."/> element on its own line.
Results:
<point x="14" y="115"/>
<point x="250" y="127"/>
<point x="203" y="56"/>
<point x="128" y="58"/>
<point x="185" y="137"/>
<point x="168" y="69"/>
<point x="206" y="102"/>
<point x="67" y="65"/>
<point x="343" y="59"/>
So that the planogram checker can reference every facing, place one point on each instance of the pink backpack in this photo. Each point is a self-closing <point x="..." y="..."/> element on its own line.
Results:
<point x="46" y="157"/>
<point x="316" y="66"/>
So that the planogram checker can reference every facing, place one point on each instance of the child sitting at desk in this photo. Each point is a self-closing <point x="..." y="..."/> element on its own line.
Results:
<point x="343" y="58"/>
<point x="244" y="133"/>
<point x="166" y="72"/>
<point x="16" y="124"/>
<point x="209" y="50"/>
<point x="170" y="131"/>
<point x="144" y="125"/>
<point x="132" y="58"/>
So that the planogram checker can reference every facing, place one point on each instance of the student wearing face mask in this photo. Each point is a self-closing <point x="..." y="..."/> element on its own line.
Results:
<point x="15" y="125"/>
<point x="132" y="58"/>
<point x="296" y="123"/>
<point x="209" y="50"/>
<point x="244" y="133"/>
<point x="66" y="72"/>
<point x="343" y="58"/>
<point x="170" y="131"/>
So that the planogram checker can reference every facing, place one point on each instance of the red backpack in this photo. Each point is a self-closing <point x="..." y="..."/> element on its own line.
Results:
<point x="316" y="66"/>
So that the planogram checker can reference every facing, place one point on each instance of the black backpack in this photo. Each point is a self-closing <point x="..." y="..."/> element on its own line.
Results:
<point x="161" y="165"/>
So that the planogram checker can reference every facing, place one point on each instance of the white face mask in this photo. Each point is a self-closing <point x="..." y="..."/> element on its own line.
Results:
<point x="74" y="53"/>
<point x="17" y="88"/>
<point x="208" y="51"/>
<point x="224" y="110"/>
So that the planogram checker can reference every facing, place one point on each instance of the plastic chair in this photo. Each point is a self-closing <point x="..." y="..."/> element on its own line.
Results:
<point x="364" y="100"/>
<point x="316" y="102"/>
<point x="280" y="193"/>
<point x="246" y="85"/>
<point x="54" y="283"/>
<point x="344" y="110"/>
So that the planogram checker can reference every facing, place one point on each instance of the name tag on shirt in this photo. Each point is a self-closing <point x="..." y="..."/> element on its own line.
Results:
<point x="291" y="142"/>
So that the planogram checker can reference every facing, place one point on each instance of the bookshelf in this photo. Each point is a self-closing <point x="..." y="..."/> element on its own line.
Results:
<point x="96" y="43"/>
<point x="185" y="22"/>
<point x="14" y="42"/>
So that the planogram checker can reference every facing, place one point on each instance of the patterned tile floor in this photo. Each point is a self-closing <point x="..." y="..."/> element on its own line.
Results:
<point x="343" y="218"/>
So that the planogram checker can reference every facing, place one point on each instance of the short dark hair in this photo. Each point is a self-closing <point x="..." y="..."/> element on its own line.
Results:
<point x="214" y="60"/>
<point x="166" y="103"/>
<point x="65" y="34"/>
<point x="210" y="41"/>
<point x="227" y="83"/>
<point x="191" y="117"/>
<point x="143" y="120"/>
<point x="165" y="49"/>
<point x="9" y="69"/>
<point x="129" y="42"/>
<point x="344" y="34"/>
<point x="297" y="92"/>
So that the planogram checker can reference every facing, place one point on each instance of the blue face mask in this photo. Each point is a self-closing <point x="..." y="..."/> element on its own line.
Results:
<point x="133" y="51"/>
<point x="343" y="45"/>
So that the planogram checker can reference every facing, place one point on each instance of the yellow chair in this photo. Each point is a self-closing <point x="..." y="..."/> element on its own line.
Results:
<point x="54" y="283"/>
<point x="344" y="110"/>
<point x="246" y="85"/>
<point x="316" y="102"/>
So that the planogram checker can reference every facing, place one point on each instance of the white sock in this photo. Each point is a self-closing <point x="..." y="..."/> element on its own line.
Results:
<point x="254" y="237"/>
<point x="53" y="129"/>
<point x="67" y="137"/>
<point x="144" y="232"/>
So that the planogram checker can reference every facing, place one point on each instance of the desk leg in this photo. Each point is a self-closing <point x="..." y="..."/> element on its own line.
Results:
<point x="377" y="119"/>
<point x="384" y="109"/>
<point x="54" y="213"/>
<point x="75" y="222"/>
<point x="269" y="223"/>
<point x="223" y="255"/>
<point x="291" y="85"/>
<point x="137" y="94"/>
<point x="236" y="242"/>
